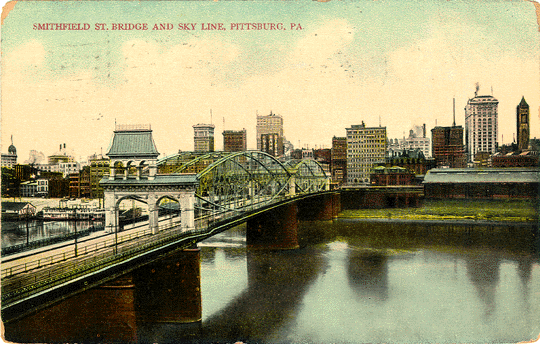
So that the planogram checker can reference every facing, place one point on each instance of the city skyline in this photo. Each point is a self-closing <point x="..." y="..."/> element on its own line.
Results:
<point x="383" y="62"/>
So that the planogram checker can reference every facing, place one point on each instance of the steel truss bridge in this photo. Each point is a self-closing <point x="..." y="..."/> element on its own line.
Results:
<point x="235" y="183"/>
<point x="227" y="189"/>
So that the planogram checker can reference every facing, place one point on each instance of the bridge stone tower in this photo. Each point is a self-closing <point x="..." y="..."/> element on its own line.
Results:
<point x="133" y="175"/>
<point x="133" y="147"/>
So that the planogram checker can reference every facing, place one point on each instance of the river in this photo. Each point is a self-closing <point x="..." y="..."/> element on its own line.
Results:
<point x="22" y="232"/>
<point x="353" y="281"/>
<point x="359" y="282"/>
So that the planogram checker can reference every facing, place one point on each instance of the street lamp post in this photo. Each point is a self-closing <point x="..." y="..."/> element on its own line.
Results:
<point x="75" y="224"/>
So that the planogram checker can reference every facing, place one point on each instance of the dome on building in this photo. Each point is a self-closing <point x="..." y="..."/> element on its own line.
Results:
<point x="11" y="148"/>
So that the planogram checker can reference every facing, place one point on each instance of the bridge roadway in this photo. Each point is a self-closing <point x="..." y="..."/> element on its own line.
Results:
<point x="36" y="279"/>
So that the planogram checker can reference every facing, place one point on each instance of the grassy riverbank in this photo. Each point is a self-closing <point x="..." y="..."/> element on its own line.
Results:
<point x="482" y="210"/>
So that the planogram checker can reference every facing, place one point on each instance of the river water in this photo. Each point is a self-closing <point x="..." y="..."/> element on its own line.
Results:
<point x="350" y="281"/>
<point x="359" y="282"/>
<point x="21" y="232"/>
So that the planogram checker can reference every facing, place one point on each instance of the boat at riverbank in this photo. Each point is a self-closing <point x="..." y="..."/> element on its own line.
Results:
<point x="74" y="213"/>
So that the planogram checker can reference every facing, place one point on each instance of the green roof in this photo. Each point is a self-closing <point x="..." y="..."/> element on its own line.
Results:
<point x="133" y="144"/>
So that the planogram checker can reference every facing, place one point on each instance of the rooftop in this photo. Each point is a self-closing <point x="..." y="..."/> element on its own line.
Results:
<point x="485" y="175"/>
<point x="133" y="143"/>
<point x="14" y="206"/>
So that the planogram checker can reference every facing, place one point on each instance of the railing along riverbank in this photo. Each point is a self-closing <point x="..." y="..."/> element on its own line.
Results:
<point x="25" y="279"/>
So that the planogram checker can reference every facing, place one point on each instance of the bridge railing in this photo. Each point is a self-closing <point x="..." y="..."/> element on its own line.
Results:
<point x="104" y="254"/>
<point x="80" y="250"/>
<point x="66" y="266"/>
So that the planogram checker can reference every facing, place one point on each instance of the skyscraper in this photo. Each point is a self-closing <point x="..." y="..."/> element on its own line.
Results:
<point x="271" y="124"/>
<point x="522" y="118"/>
<point x="447" y="146"/>
<point x="234" y="140"/>
<point x="481" y="125"/>
<point x="203" y="137"/>
<point x="270" y="143"/>
<point x="338" y="160"/>
<point x="365" y="148"/>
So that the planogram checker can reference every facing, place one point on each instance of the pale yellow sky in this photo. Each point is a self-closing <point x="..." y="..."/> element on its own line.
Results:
<point x="398" y="62"/>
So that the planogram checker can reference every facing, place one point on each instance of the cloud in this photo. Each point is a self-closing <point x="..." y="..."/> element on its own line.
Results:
<point x="27" y="59"/>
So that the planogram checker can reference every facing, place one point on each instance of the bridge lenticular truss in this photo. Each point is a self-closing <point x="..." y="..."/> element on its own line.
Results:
<point x="244" y="181"/>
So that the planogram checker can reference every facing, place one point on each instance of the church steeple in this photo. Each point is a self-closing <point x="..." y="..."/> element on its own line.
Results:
<point x="523" y="103"/>
<point x="522" y="121"/>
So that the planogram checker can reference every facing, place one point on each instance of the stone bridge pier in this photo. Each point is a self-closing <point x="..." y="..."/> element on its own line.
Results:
<point x="277" y="229"/>
<point x="324" y="207"/>
<point x="159" y="300"/>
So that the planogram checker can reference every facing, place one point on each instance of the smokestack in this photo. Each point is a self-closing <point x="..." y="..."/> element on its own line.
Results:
<point x="454" y="112"/>
<point x="477" y="88"/>
<point x="424" y="130"/>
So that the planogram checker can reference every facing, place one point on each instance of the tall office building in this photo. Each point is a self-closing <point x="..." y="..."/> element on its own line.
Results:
<point x="447" y="146"/>
<point x="481" y="123"/>
<point x="338" y="159"/>
<point x="366" y="146"/>
<point x="234" y="140"/>
<point x="203" y="137"/>
<point x="522" y="118"/>
<point x="271" y="124"/>
<point x="270" y="143"/>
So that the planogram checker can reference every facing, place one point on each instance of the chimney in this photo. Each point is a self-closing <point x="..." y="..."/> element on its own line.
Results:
<point x="454" y="112"/>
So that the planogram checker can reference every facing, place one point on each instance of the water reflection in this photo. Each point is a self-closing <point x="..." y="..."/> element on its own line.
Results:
<point x="367" y="272"/>
<point x="20" y="232"/>
<point x="355" y="282"/>
<point x="277" y="282"/>
<point x="483" y="271"/>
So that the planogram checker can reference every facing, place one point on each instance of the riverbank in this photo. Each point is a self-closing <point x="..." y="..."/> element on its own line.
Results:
<point x="439" y="210"/>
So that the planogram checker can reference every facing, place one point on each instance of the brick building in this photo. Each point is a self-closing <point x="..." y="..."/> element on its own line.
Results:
<point x="447" y="146"/>
<point x="234" y="140"/>
<point x="395" y="175"/>
<point x="338" y="160"/>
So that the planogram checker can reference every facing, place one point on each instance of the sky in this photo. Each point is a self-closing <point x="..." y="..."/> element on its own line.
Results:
<point x="397" y="63"/>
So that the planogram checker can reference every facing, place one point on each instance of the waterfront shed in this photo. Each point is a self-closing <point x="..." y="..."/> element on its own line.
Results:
<point x="482" y="183"/>
<point x="17" y="209"/>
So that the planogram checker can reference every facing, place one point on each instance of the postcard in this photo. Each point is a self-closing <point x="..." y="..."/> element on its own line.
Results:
<point x="348" y="171"/>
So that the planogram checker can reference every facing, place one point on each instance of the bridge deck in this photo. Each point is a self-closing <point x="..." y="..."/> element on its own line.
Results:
<point x="31" y="276"/>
